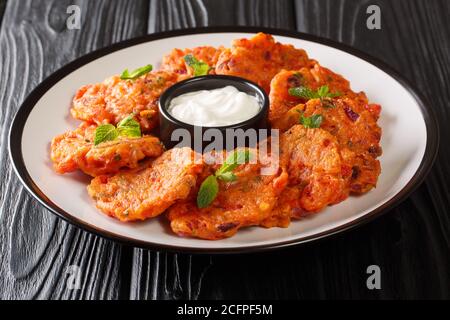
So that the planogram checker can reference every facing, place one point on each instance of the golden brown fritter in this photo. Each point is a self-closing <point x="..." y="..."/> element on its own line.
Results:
<point x="66" y="149"/>
<point x="311" y="77"/>
<point x="146" y="192"/>
<point x="76" y="150"/>
<point x="259" y="59"/>
<point x="357" y="132"/>
<point x="174" y="61"/>
<point x="287" y="208"/>
<point x="311" y="176"/>
<point x="245" y="202"/>
<point x="356" y="129"/>
<point x="113" y="99"/>
<point x="349" y="117"/>
<point x="313" y="162"/>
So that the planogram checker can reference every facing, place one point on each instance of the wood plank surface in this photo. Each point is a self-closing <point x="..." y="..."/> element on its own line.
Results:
<point x="410" y="244"/>
<point x="37" y="248"/>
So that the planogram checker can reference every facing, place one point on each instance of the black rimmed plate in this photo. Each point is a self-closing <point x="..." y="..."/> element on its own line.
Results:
<point x="409" y="141"/>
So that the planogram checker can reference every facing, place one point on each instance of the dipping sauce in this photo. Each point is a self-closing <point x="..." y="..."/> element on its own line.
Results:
<point x="214" y="108"/>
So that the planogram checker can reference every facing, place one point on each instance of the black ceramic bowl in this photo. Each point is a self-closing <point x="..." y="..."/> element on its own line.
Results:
<point x="199" y="140"/>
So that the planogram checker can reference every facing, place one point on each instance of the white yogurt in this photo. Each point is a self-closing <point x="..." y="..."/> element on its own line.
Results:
<point x="214" y="108"/>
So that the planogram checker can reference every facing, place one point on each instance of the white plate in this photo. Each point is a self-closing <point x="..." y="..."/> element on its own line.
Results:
<point x="409" y="141"/>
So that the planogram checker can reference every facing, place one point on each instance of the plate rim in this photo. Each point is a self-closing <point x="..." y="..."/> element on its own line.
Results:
<point x="21" y="116"/>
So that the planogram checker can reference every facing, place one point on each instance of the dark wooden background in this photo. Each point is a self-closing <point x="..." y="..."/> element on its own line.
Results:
<point x="410" y="243"/>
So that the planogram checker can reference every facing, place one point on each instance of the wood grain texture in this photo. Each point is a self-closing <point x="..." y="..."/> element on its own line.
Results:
<point x="410" y="244"/>
<point x="2" y="9"/>
<point x="36" y="247"/>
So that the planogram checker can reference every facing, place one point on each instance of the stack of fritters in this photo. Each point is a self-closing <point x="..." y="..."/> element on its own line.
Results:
<point x="136" y="179"/>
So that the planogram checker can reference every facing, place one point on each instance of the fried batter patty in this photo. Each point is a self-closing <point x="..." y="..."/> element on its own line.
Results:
<point x="318" y="176"/>
<point x="259" y="59"/>
<point x="349" y="117"/>
<point x="113" y="99"/>
<point x="75" y="150"/>
<point x="312" y="77"/>
<point x="311" y="176"/>
<point x="355" y="126"/>
<point x="313" y="161"/>
<point x="174" y="61"/>
<point x="146" y="192"/>
<point x="245" y="202"/>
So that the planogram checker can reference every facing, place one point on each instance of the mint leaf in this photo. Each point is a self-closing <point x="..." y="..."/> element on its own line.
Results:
<point x="323" y="91"/>
<point x="208" y="192"/>
<point x="200" y="68"/>
<point x="311" y="122"/>
<point x="227" y="176"/>
<point x="126" y="75"/>
<point x="303" y="92"/>
<point x="129" y="127"/>
<point x="210" y="186"/>
<point x="233" y="160"/>
<point x="105" y="132"/>
<point x="128" y="122"/>
<point x="308" y="94"/>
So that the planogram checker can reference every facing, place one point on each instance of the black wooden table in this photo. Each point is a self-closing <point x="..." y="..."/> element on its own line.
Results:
<point x="410" y="244"/>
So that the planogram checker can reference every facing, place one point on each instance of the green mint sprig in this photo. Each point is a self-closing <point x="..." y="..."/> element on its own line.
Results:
<point x="105" y="132"/>
<point x="210" y="186"/>
<point x="306" y="93"/>
<point x="200" y="68"/>
<point x="126" y="75"/>
<point x="128" y="127"/>
<point x="311" y="122"/>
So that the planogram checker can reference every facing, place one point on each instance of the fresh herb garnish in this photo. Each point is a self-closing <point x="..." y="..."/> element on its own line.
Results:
<point x="232" y="161"/>
<point x="105" y="132"/>
<point x="200" y="68"/>
<point x="210" y="186"/>
<point x="311" y="122"/>
<point x="227" y="177"/>
<point x="128" y="127"/>
<point x="308" y="94"/>
<point x="208" y="191"/>
<point x="126" y="75"/>
<point x="324" y="92"/>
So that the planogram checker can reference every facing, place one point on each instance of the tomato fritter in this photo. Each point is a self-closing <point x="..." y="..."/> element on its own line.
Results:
<point x="287" y="208"/>
<point x="76" y="150"/>
<point x="247" y="201"/>
<point x="315" y="168"/>
<point x="143" y="193"/>
<point x="354" y="124"/>
<point x="66" y="149"/>
<point x="350" y="117"/>
<point x="259" y="59"/>
<point x="113" y="99"/>
<point x="311" y="77"/>
<point x="174" y="61"/>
